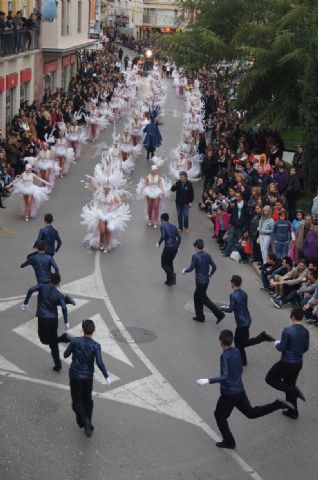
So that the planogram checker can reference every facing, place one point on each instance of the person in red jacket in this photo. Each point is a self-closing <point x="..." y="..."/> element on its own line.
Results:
<point x="221" y="224"/>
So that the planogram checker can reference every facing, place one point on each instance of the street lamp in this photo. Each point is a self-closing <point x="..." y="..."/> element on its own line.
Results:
<point x="148" y="53"/>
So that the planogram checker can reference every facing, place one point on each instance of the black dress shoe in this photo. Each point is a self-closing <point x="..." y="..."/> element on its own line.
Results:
<point x="57" y="368"/>
<point x="199" y="319"/>
<point x="226" y="445"/>
<point x="266" y="337"/>
<point x="88" y="428"/>
<point x="64" y="338"/>
<point x="220" y="319"/>
<point x="289" y="414"/>
<point x="174" y="280"/>
<point x="168" y="283"/>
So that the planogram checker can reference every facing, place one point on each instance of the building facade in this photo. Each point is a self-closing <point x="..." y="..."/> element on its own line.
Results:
<point x="63" y="39"/>
<point x="20" y="58"/>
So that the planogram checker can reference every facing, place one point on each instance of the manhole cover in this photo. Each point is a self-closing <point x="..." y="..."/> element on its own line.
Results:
<point x="139" y="335"/>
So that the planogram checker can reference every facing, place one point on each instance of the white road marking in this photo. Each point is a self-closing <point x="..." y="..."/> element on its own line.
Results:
<point x="7" y="303"/>
<point x="6" y="365"/>
<point x="103" y="336"/>
<point x="86" y="286"/>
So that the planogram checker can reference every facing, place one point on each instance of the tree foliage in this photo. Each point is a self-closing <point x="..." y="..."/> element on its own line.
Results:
<point x="275" y="45"/>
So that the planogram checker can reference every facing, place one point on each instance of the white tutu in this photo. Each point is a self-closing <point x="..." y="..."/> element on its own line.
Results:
<point x="126" y="147"/>
<point x="152" y="191"/>
<point x="59" y="150"/>
<point x="72" y="136"/>
<point x="83" y="136"/>
<point x="44" y="164"/>
<point x="102" y="122"/>
<point x="128" y="165"/>
<point x="39" y="194"/>
<point x="116" y="219"/>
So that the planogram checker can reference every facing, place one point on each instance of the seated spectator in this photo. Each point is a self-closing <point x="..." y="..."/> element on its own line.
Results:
<point x="269" y="269"/>
<point x="221" y="224"/>
<point x="301" y="295"/>
<point x="311" y="307"/>
<point x="292" y="280"/>
<point x="244" y="247"/>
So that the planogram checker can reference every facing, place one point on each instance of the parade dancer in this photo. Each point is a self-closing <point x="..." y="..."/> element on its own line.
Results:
<point x="233" y="392"/>
<point x="152" y="188"/>
<point x="85" y="351"/>
<point x="64" y="154"/>
<point x="238" y="305"/>
<point x="201" y="263"/>
<point x="49" y="298"/>
<point x="42" y="264"/>
<point x="104" y="217"/>
<point x="171" y="238"/>
<point x="153" y="138"/>
<point x="49" y="235"/>
<point x="45" y="163"/>
<point x="283" y="375"/>
<point x="33" y="195"/>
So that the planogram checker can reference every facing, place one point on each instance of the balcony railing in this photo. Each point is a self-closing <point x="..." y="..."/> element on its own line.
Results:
<point x="13" y="42"/>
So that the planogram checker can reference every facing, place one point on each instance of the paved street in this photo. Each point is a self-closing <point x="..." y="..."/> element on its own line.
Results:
<point x="153" y="422"/>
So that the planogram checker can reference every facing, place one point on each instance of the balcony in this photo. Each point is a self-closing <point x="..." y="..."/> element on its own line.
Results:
<point x="13" y="42"/>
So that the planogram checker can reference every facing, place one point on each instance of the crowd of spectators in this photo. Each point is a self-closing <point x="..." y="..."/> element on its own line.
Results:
<point x="96" y="78"/>
<point x="18" y="33"/>
<point x="251" y="197"/>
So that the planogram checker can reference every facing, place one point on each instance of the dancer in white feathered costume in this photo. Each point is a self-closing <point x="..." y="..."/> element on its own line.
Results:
<point x="46" y="165"/>
<point x="63" y="154"/>
<point x="104" y="217"/>
<point x="153" y="188"/>
<point x="33" y="195"/>
<point x="126" y="144"/>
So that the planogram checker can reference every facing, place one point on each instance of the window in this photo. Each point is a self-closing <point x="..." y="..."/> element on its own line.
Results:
<point x="79" y="16"/>
<point x="24" y="91"/>
<point x="65" y="17"/>
<point x="9" y="108"/>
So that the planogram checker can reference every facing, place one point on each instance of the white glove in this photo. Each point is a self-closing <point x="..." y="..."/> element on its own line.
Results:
<point x="202" y="381"/>
<point x="157" y="245"/>
<point x="108" y="381"/>
<point x="24" y="307"/>
<point x="66" y="326"/>
<point x="184" y="271"/>
<point x="277" y="342"/>
<point x="224" y="306"/>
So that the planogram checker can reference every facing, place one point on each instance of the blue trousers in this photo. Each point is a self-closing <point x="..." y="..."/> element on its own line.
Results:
<point x="183" y="215"/>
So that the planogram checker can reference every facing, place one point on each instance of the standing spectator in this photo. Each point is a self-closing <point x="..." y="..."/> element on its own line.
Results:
<point x="298" y="158"/>
<point x="301" y="234"/>
<point x="283" y="181"/>
<point x="311" y="243"/>
<point x="314" y="208"/>
<point x="292" y="192"/>
<point x="265" y="229"/>
<point x="238" y="222"/>
<point x="184" y="198"/>
<point x="281" y="235"/>
<point x="254" y="234"/>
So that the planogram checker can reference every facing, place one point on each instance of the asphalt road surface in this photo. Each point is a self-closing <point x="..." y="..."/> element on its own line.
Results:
<point x="153" y="422"/>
